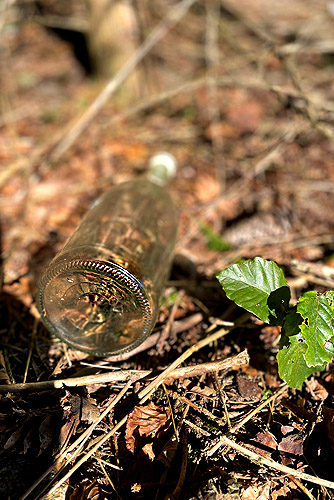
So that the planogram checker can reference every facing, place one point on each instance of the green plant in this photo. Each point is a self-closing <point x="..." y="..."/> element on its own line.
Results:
<point x="307" y="334"/>
<point x="213" y="240"/>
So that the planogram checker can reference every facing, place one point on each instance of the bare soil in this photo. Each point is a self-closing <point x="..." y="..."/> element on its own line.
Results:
<point x="242" y="95"/>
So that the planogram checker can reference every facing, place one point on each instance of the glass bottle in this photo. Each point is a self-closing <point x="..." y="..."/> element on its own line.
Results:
<point x="101" y="292"/>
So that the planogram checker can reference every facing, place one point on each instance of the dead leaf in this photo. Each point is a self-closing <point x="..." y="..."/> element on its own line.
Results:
<point x="133" y="152"/>
<point x="249" y="389"/>
<point x="256" y="492"/>
<point x="28" y="441"/>
<point x="206" y="188"/>
<point x="222" y="129"/>
<point x="81" y="407"/>
<point x="85" y="491"/>
<point x="4" y="377"/>
<point x="285" y="460"/>
<point x="94" y="493"/>
<point x="292" y="444"/>
<point x="20" y="289"/>
<point x="59" y="494"/>
<point x="286" y="429"/>
<point x="267" y="439"/>
<point x="67" y="430"/>
<point x="148" y="450"/>
<point x="246" y="114"/>
<point x="205" y="392"/>
<point x="89" y="412"/>
<point x="45" y="434"/>
<point x="135" y="488"/>
<point x="318" y="391"/>
<point x="13" y="439"/>
<point x="147" y="419"/>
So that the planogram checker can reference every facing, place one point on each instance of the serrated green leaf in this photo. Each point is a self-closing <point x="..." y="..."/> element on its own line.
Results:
<point x="317" y="327"/>
<point x="290" y="326"/>
<point x="292" y="367"/>
<point x="259" y="286"/>
<point x="330" y="298"/>
<point x="329" y="345"/>
<point x="278" y="303"/>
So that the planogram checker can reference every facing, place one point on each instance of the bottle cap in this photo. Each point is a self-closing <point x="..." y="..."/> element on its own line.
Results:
<point x="162" y="168"/>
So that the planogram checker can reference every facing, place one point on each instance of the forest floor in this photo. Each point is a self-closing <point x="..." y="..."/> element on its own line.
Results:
<point x="242" y="96"/>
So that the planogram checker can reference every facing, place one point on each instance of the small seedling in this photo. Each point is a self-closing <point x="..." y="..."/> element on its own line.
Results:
<point x="266" y="394"/>
<point x="213" y="240"/>
<point x="307" y="328"/>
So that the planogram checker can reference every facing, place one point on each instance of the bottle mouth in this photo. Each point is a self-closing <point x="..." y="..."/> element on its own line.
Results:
<point x="95" y="306"/>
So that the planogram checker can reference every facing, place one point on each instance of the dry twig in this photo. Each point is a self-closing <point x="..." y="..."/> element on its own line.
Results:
<point x="268" y="462"/>
<point x="174" y="16"/>
<point x="143" y="396"/>
<point x="248" y="417"/>
<point x="77" y="446"/>
<point x="125" y="375"/>
<point x="254" y="457"/>
<point x="148" y="391"/>
<point x="212" y="60"/>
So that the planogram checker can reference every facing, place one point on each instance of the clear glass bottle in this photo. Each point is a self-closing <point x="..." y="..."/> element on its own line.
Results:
<point x="101" y="293"/>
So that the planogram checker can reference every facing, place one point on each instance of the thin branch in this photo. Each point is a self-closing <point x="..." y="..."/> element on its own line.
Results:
<point x="254" y="457"/>
<point x="200" y="409"/>
<point x="173" y="17"/>
<point x="47" y="385"/>
<point x="246" y="418"/>
<point x="268" y="462"/>
<point x="170" y="323"/>
<point x="91" y="452"/>
<point x="125" y="375"/>
<point x="212" y="62"/>
<point x="78" y="24"/>
<point x="32" y="340"/>
<point x="311" y="111"/>
<point x="300" y="485"/>
<point x="146" y="393"/>
<point x="257" y="30"/>
<point x="256" y="410"/>
<point x="184" y="460"/>
<point x="78" y="444"/>
<point x="179" y="326"/>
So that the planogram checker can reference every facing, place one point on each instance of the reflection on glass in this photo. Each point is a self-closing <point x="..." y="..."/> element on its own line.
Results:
<point x="101" y="293"/>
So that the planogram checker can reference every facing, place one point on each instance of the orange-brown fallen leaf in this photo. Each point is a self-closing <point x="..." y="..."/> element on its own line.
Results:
<point x="267" y="439"/>
<point x="147" y="420"/>
<point x="318" y="390"/>
<point x="135" y="488"/>
<point x="256" y="492"/>
<point x="148" y="450"/>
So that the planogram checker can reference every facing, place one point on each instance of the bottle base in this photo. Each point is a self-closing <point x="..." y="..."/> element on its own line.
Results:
<point x="95" y="306"/>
